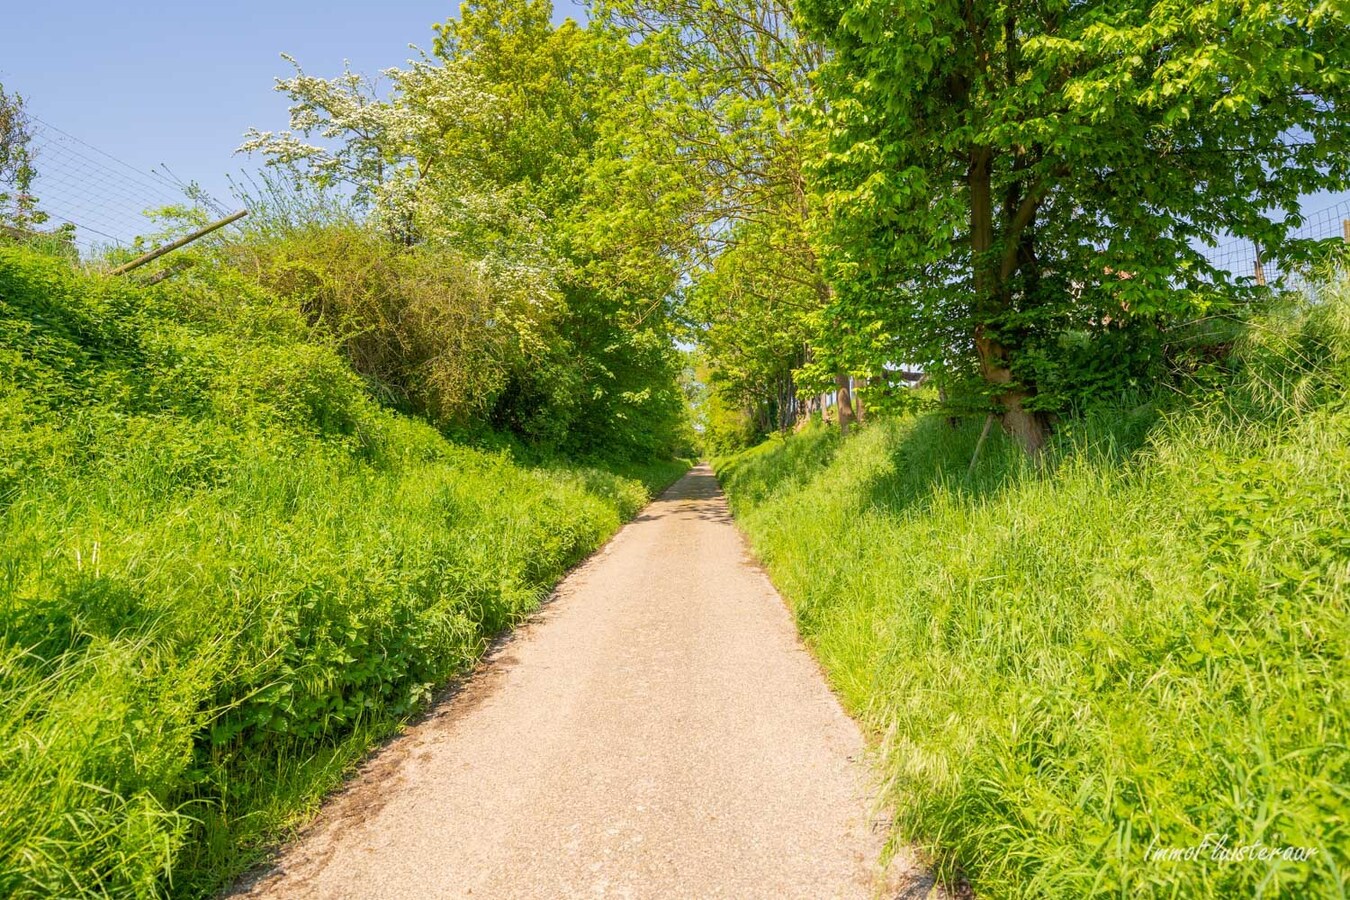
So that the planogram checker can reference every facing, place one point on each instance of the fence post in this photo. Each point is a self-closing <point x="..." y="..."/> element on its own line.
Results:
<point x="187" y="239"/>
<point x="1345" y="224"/>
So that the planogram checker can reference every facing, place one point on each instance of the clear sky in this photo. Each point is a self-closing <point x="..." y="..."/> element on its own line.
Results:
<point x="179" y="83"/>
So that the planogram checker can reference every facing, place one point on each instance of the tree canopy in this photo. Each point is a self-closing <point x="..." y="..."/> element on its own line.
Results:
<point x="1010" y="197"/>
<point x="483" y="147"/>
<point x="996" y="173"/>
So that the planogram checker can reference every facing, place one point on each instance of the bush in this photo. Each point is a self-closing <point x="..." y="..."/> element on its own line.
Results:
<point x="427" y="326"/>
<point x="1138" y="645"/>
<point x="478" y="350"/>
<point x="227" y="572"/>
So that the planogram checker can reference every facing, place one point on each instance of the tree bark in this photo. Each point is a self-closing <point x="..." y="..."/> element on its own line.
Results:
<point x="787" y="402"/>
<point x="953" y="422"/>
<point x="1029" y="428"/>
<point x="844" y="403"/>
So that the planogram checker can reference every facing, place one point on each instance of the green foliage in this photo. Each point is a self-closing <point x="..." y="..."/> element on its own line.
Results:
<point x="20" y="213"/>
<point x="227" y="572"/>
<point x="726" y="430"/>
<point x="432" y="331"/>
<point x="1140" y="642"/>
<point x="482" y="301"/>
<point x="997" y="176"/>
<point x="701" y="176"/>
<point x="1075" y="370"/>
<point x="18" y="207"/>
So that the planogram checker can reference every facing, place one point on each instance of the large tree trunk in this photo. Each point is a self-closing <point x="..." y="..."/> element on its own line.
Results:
<point x="1029" y="428"/>
<point x="844" y="403"/>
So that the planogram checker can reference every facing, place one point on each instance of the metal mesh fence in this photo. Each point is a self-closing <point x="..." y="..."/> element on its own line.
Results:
<point x="104" y="200"/>
<point x="98" y="195"/>
<point x="1243" y="258"/>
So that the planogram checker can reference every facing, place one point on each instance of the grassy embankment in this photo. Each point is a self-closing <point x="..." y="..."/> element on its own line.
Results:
<point x="1142" y="644"/>
<point x="227" y="573"/>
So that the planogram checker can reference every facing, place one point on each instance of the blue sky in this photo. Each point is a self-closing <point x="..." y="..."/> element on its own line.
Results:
<point x="179" y="83"/>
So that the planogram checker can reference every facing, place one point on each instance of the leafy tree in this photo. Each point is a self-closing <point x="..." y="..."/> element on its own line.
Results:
<point x="613" y="382"/>
<point x="705" y="171"/>
<point x="482" y="149"/>
<point x="18" y="206"/>
<point x="448" y="343"/>
<point x="997" y="172"/>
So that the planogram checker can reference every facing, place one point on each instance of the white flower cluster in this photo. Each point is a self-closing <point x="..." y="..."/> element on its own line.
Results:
<point x="413" y="161"/>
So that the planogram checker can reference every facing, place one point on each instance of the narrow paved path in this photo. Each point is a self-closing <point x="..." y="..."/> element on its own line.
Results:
<point x="656" y="731"/>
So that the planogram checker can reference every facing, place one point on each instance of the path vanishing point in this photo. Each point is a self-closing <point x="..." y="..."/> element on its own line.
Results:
<point x="656" y="730"/>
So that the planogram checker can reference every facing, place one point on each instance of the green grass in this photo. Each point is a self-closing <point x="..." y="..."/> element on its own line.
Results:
<point x="226" y="573"/>
<point x="1145" y="641"/>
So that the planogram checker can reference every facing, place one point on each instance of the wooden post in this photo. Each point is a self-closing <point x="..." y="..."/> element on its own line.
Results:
<point x="1345" y="225"/>
<point x="169" y="272"/>
<point x="181" y="242"/>
<point x="984" y="435"/>
<point x="1260" y="272"/>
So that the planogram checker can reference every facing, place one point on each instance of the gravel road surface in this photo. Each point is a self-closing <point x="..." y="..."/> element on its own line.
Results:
<point x="657" y="730"/>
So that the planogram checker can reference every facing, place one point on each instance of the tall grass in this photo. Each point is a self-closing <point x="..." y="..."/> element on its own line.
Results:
<point x="1068" y="669"/>
<point x="225" y="573"/>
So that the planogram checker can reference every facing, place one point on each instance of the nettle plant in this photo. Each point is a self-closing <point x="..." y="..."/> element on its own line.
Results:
<point x="996" y="174"/>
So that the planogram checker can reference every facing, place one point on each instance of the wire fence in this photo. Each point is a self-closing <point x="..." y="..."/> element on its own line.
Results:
<point x="102" y="198"/>
<point x="105" y="201"/>
<point x="1244" y="259"/>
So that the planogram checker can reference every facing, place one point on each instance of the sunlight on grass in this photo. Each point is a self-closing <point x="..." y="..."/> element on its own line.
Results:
<point x="227" y="573"/>
<point x="1144" y="642"/>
